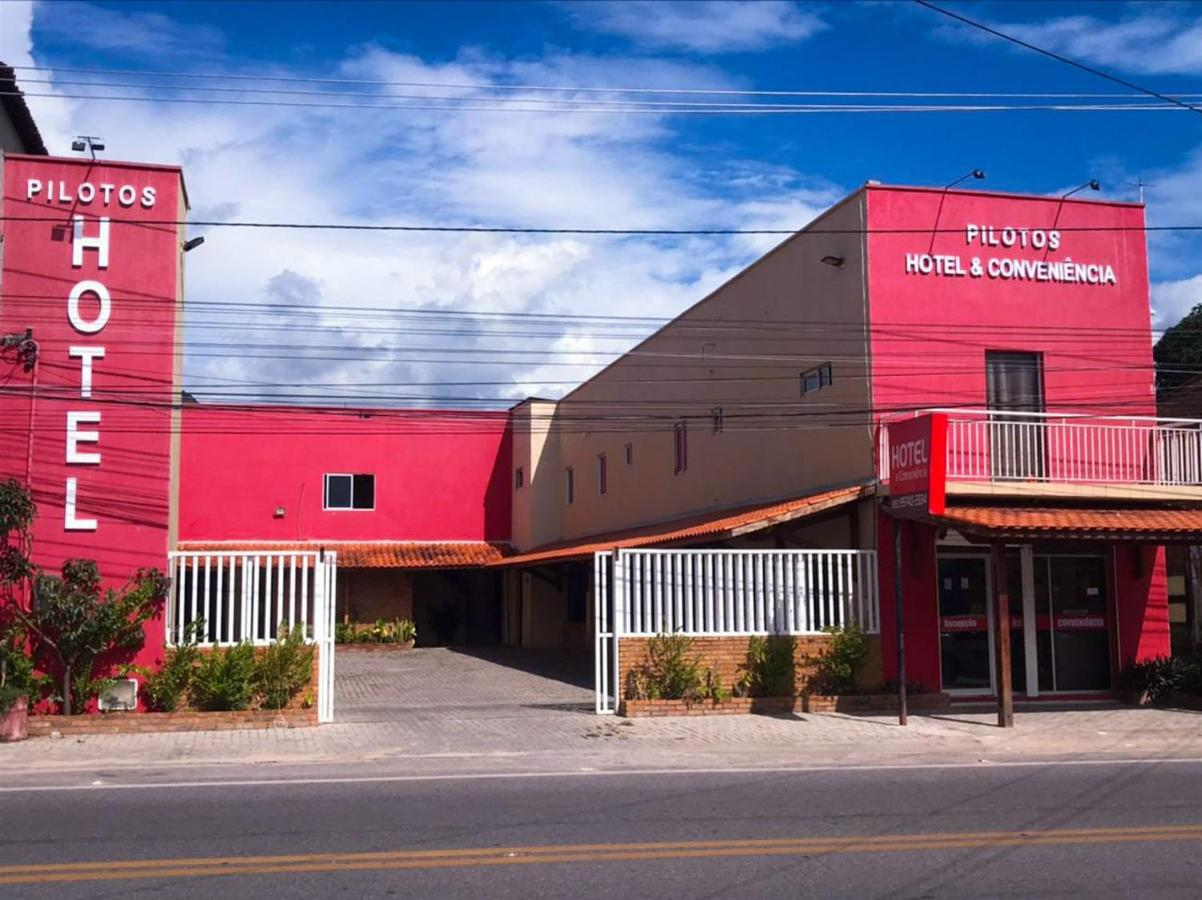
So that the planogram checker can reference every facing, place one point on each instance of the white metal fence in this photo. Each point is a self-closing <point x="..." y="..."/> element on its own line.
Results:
<point x="642" y="593"/>
<point x="224" y="598"/>
<point x="991" y="445"/>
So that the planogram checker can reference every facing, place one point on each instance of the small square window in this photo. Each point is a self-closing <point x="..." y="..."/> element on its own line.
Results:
<point x="357" y="491"/>
<point x="519" y="477"/>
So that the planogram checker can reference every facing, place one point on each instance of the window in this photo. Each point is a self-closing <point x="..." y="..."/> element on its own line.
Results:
<point x="816" y="379"/>
<point x="570" y="484"/>
<point x="519" y="477"/>
<point x="716" y="414"/>
<point x="680" y="434"/>
<point x="630" y="454"/>
<point x="350" y="491"/>
<point x="602" y="474"/>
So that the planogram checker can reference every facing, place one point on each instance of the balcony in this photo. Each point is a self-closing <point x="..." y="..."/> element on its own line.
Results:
<point x="1063" y="455"/>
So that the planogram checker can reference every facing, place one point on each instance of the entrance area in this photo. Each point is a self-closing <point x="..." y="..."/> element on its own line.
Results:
<point x="1059" y="622"/>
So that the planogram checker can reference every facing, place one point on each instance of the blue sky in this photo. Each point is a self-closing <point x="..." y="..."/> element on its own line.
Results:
<point x="593" y="169"/>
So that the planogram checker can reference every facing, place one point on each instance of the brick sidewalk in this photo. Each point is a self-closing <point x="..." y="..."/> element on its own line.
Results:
<point x="435" y="710"/>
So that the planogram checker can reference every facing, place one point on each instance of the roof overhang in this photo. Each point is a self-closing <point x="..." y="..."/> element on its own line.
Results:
<point x="1159" y="525"/>
<point x="408" y="555"/>
<point x="710" y="527"/>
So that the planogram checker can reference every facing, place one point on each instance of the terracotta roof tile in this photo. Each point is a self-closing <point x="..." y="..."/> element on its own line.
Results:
<point x="1115" y="522"/>
<point x="710" y="526"/>
<point x="377" y="554"/>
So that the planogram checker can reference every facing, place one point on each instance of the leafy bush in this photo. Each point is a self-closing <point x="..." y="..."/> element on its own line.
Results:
<point x="16" y="669"/>
<point x="1159" y="677"/>
<point x="224" y="679"/>
<point x="382" y="631"/>
<point x="165" y="689"/>
<point x="284" y="668"/>
<point x="836" y="668"/>
<point x="671" y="672"/>
<point x="770" y="669"/>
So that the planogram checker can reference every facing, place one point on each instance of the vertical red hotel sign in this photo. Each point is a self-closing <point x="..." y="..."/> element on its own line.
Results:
<point x="91" y="264"/>
<point x="918" y="465"/>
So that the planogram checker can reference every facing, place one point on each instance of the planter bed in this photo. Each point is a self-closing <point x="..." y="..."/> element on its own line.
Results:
<point x="820" y="703"/>
<point x="1182" y="700"/>
<point x="735" y="706"/>
<point x="145" y="723"/>
<point x="368" y="648"/>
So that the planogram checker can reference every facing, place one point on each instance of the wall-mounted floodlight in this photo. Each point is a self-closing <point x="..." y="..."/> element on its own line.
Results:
<point x="978" y="174"/>
<point x="193" y="243"/>
<point x="1093" y="184"/>
<point x="89" y="143"/>
<point x="834" y="261"/>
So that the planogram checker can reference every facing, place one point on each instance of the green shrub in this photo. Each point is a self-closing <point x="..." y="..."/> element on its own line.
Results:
<point x="224" y="679"/>
<point x="283" y="669"/>
<point x="771" y="668"/>
<point x="671" y="672"/>
<point x="1159" y="677"/>
<point x="836" y="668"/>
<point x="16" y="669"/>
<point x="382" y="631"/>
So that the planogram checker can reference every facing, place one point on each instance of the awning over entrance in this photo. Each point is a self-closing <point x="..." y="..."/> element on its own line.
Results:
<point x="713" y="526"/>
<point x="374" y="554"/>
<point x="1156" y="525"/>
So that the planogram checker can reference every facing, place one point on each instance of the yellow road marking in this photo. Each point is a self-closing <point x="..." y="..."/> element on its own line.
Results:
<point x="546" y="854"/>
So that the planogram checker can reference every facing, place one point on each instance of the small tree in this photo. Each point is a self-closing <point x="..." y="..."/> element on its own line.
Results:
<point x="70" y="620"/>
<point x="76" y="622"/>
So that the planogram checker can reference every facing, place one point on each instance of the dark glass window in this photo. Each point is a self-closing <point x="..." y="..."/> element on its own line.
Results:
<point x="350" y="491"/>
<point x="816" y="378"/>
<point x="602" y="474"/>
<point x="519" y="477"/>
<point x="680" y="434"/>
<point x="570" y="484"/>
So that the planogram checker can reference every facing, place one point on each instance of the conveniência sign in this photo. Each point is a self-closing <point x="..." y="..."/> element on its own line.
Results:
<point x="1011" y="268"/>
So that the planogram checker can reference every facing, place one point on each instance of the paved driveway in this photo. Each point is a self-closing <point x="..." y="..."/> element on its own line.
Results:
<point x="382" y="685"/>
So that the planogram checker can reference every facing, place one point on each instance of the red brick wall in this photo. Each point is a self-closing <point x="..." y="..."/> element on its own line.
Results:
<point x="365" y="595"/>
<point x="728" y="655"/>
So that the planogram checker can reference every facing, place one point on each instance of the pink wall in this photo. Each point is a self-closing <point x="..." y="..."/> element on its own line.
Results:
<point x="122" y="511"/>
<point x="1142" y="607"/>
<point x="439" y="475"/>
<point x="930" y="331"/>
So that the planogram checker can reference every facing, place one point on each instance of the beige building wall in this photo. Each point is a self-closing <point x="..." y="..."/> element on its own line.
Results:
<point x="742" y="349"/>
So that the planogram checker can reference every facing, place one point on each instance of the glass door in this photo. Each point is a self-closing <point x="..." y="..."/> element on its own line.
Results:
<point x="966" y="659"/>
<point x="1078" y="623"/>
<point x="1014" y="384"/>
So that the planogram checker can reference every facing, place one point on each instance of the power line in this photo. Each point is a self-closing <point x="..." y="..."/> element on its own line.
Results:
<point x="498" y="86"/>
<point x="501" y="229"/>
<point x="567" y="107"/>
<point x="1056" y="56"/>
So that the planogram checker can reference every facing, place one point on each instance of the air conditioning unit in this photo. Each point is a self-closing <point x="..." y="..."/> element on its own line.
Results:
<point x="121" y="696"/>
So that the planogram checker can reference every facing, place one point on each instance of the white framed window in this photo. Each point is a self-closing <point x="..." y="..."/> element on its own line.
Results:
<point x="349" y="491"/>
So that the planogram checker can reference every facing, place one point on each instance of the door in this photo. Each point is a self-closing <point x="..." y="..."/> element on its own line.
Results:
<point x="1014" y="384"/>
<point x="966" y="660"/>
<point x="1078" y="623"/>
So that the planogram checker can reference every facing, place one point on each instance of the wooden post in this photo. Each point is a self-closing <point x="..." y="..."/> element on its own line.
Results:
<point x="1001" y="619"/>
<point x="899" y="622"/>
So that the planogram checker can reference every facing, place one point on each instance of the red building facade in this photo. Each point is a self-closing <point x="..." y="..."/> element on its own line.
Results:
<point x="1025" y="319"/>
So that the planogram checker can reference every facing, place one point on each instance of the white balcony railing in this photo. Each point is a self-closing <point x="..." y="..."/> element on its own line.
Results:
<point x="1065" y="448"/>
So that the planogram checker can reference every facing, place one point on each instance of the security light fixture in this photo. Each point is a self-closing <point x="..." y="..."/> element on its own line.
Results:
<point x="279" y="512"/>
<point x="977" y="174"/>
<point x="193" y="243"/>
<point x="834" y="261"/>
<point x="87" y="142"/>
<point x="1093" y="184"/>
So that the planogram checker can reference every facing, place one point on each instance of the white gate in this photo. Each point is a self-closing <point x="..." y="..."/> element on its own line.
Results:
<point x="220" y="598"/>
<point x="717" y="593"/>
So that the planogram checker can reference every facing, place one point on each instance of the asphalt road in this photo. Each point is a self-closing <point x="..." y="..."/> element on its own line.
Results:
<point x="1020" y="830"/>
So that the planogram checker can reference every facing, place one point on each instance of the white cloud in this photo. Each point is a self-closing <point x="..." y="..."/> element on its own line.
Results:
<point x="1171" y="300"/>
<point x="349" y="289"/>
<point x="1157" y="40"/>
<point x="718" y="26"/>
<point x="145" y="34"/>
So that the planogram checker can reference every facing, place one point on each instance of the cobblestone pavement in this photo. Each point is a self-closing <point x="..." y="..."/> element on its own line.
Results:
<point x="437" y="711"/>
<point x="380" y="686"/>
